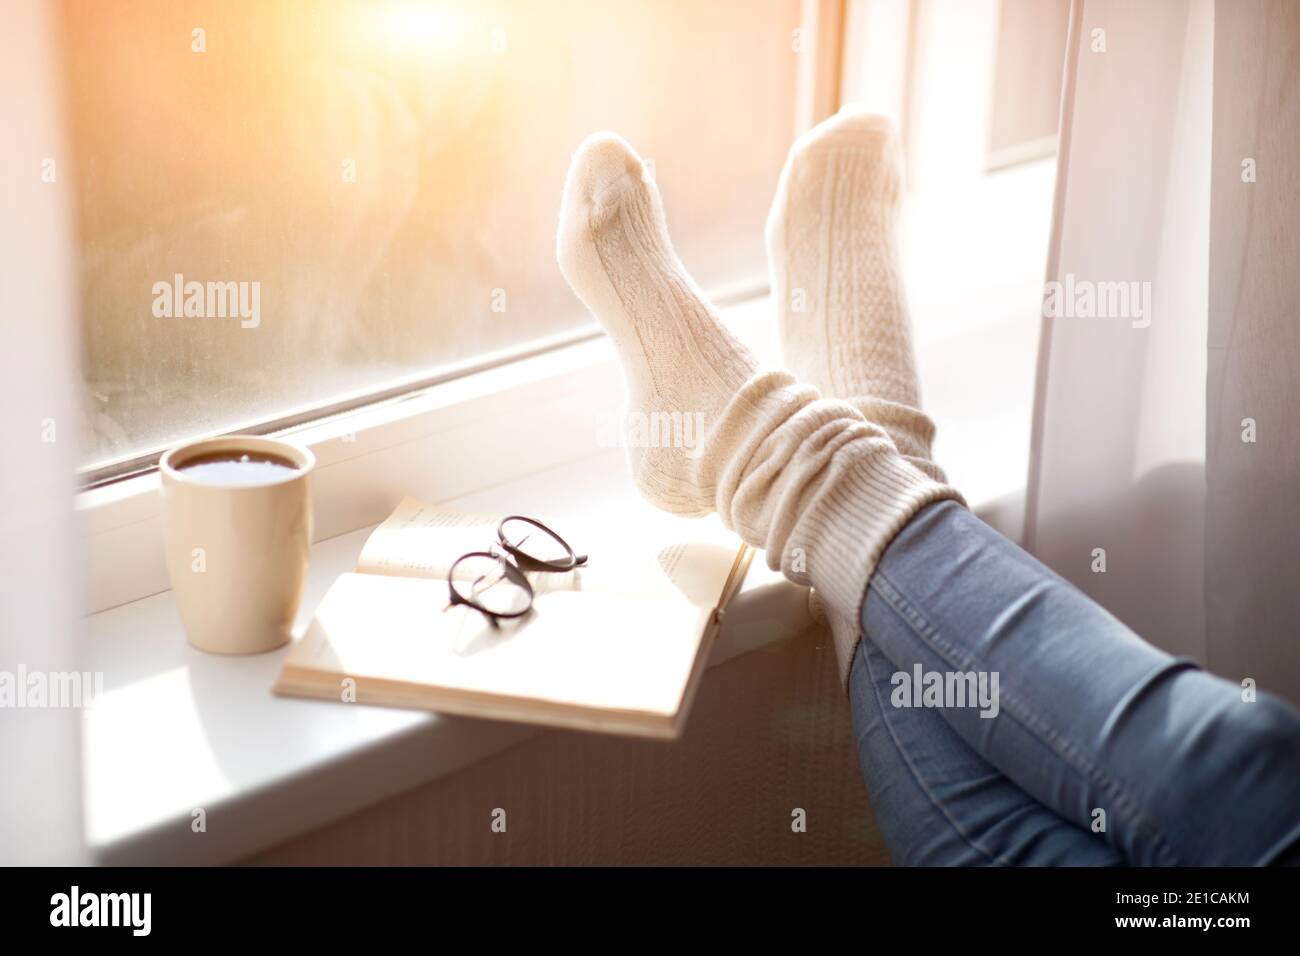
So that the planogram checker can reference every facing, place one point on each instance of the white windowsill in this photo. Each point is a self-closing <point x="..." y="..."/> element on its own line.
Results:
<point x="177" y="730"/>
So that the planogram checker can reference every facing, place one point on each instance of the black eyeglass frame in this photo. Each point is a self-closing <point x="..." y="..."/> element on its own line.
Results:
<point x="514" y="565"/>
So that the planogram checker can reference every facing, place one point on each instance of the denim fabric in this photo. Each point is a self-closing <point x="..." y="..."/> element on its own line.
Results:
<point x="1093" y="724"/>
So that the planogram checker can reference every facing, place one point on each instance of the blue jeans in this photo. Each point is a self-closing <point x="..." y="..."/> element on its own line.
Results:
<point x="1103" y="750"/>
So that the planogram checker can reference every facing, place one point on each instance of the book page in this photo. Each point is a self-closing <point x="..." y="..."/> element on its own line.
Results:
<point x="420" y="541"/>
<point x="639" y="551"/>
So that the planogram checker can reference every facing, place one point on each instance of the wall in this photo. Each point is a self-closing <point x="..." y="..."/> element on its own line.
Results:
<point x="769" y="732"/>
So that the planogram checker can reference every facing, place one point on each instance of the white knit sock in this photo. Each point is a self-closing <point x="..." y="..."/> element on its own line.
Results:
<point x="833" y="255"/>
<point x="807" y="478"/>
<point x="846" y="630"/>
<point x="677" y="356"/>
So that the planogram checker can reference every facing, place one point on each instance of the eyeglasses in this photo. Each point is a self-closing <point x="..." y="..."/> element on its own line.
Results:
<point x="495" y="582"/>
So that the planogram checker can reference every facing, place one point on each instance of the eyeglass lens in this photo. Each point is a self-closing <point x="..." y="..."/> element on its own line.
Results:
<point x="484" y="581"/>
<point x="535" y="542"/>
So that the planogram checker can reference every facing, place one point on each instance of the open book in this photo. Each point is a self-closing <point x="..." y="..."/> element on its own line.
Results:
<point x="617" y="645"/>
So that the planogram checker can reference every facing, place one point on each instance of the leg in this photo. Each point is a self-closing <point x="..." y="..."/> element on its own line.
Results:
<point x="842" y="314"/>
<point x="937" y="802"/>
<point x="1090" y="716"/>
<point x="833" y="257"/>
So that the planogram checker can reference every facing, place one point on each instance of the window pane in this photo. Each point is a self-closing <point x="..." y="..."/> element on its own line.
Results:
<point x="1027" y="80"/>
<point x="366" y="191"/>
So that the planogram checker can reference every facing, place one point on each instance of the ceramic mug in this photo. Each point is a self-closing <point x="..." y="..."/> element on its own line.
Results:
<point x="237" y="551"/>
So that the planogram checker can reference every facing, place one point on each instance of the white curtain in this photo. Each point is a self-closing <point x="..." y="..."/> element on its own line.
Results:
<point x="1252" y="556"/>
<point x="1117" y="498"/>
<point x="40" y="564"/>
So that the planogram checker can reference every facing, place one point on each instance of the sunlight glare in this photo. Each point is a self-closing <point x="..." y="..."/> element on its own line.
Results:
<point x="422" y="25"/>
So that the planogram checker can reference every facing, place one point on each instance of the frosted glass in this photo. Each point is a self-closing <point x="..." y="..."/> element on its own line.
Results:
<point x="371" y="189"/>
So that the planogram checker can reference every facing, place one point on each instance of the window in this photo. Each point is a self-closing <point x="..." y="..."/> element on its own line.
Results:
<point x="281" y="205"/>
<point x="1027" y="80"/>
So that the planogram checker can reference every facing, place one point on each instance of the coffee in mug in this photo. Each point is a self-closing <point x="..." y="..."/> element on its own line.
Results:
<point x="237" y="526"/>
<point x="237" y="467"/>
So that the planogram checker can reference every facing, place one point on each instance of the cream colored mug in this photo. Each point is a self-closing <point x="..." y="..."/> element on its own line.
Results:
<point x="237" y="540"/>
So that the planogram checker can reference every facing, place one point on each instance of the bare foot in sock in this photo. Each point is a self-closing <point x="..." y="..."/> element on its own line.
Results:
<point x="832" y="240"/>
<point x="680" y="361"/>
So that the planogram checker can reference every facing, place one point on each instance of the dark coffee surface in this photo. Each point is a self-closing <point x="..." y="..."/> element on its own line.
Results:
<point x="237" y="468"/>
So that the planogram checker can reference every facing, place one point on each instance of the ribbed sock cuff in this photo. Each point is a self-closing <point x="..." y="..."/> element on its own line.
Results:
<point x="850" y="528"/>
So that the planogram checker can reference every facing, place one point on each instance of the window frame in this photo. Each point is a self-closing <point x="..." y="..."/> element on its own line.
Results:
<point x="131" y="466"/>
